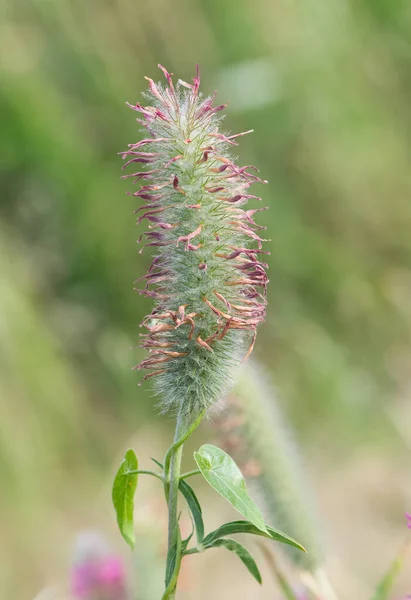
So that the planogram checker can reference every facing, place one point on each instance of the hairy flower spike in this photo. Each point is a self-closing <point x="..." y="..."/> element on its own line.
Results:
<point x="253" y="430"/>
<point x="207" y="279"/>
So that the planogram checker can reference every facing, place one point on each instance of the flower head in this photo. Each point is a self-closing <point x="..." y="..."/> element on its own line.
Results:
<point x="408" y="517"/>
<point x="207" y="278"/>
<point x="97" y="574"/>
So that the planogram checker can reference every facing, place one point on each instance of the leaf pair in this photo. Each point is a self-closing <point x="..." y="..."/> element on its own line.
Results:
<point x="217" y="539"/>
<point x="247" y="527"/>
<point x="221" y="472"/>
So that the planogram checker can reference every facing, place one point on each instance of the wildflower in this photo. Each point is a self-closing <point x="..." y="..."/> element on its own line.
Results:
<point x="97" y="574"/>
<point x="207" y="278"/>
<point x="408" y="517"/>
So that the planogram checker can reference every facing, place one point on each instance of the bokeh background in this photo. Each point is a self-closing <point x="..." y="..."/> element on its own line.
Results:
<point x="326" y="87"/>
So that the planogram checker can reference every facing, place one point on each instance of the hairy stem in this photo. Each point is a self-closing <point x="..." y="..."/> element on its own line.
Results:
<point x="172" y="468"/>
<point x="190" y="474"/>
<point x="174" y="534"/>
<point x="145" y="472"/>
<point x="183" y="431"/>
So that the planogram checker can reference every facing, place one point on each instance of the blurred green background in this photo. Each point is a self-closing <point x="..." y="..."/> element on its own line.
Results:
<point x="326" y="87"/>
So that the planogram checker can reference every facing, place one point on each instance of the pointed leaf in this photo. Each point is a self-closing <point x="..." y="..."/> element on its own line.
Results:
<point x="157" y="462"/>
<point x="221" y="472"/>
<point x="385" y="586"/>
<point x="124" y="487"/>
<point x="242" y="553"/>
<point x="247" y="527"/>
<point x="194" y="507"/>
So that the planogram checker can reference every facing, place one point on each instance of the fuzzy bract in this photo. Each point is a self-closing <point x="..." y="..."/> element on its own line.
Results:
<point x="207" y="279"/>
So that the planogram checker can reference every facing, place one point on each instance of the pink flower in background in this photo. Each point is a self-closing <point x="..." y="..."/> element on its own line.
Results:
<point x="112" y="571"/>
<point x="408" y="517"/>
<point x="301" y="595"/>
<point x="96" y="574"/>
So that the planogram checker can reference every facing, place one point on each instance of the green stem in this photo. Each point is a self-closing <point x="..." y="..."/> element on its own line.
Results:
<point x="144" y="472"/>
<point x="172" y="467"/>
<point x="190" y="474"/>
<point x="281" y="579"/>
<point x="180" y="437"/>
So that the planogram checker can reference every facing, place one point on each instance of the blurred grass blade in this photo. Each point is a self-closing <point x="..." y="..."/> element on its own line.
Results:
<point x="247" y="527"/>
<point x="124" y="487"/>
<point x="387" y="582"/>
<point x="242" y="553"/>
<point x="278" y="574"/>
<point x="221" y="472"/>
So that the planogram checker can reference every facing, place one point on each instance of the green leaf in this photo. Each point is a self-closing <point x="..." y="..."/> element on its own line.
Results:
<point x="221" y="472"/>
<point x="385" y="586"/>
<point x="247" y="527"/>
<point x="194" y="507"/>
<point x="124" y="487"/>
<point x="242" y="553"/>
